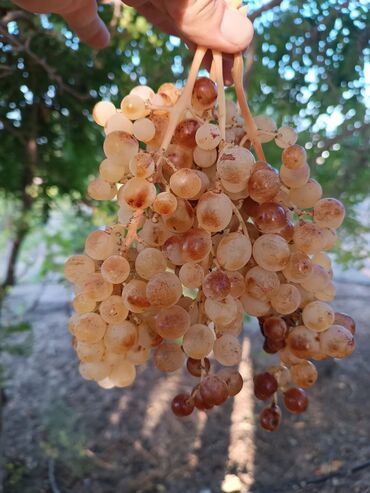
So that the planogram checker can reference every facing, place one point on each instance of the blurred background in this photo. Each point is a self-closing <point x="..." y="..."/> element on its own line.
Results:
<point x="309" y="67"/>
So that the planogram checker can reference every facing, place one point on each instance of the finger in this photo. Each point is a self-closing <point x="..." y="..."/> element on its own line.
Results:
<point x="83" y="18"/>
<point x="157" y="17"/>
<point x="211" y="23"/>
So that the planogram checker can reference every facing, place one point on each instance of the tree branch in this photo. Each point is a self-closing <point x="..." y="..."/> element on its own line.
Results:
<point x="264" y="8"/>
<point x="20" y="46"/>
<point x="347" y="132"/>
<point x="10" y="128"/>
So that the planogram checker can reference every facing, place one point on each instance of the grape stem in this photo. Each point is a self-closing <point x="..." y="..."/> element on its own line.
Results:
<point x="237" y="73"/>
<point x="217" y="58"/>
<point x="184" y="100"/>
<point x="133" y="227"/>
<point x="240" y="218"/>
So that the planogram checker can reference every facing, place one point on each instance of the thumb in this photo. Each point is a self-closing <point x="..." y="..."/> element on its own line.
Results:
<point x="211" y="23"/>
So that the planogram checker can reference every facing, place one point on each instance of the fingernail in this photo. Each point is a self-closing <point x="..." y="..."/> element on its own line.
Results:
<point x="236" y="29"/>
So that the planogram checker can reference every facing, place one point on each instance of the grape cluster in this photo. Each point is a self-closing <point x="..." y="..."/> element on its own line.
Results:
<point x="207" y="232"/>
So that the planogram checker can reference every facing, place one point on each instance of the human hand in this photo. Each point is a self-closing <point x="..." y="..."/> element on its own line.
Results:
<point x="209" y="23"/>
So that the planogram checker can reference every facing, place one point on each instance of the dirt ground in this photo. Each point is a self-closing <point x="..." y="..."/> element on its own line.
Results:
<point x="66" y="435"/>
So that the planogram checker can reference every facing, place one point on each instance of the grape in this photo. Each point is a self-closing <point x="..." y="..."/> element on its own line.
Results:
<point x="94" y="370"/>
<point x="285" y="137"/>
<point x="173" y="249"/>
<point x="115" y="269"/>
<point x="322" y="259"/>
<point x="119" y="145"/>
<point x="168" y="357"/>
<point x="149" y="262"/>
<point x="165" y="203"/>
<point x="282" y="374"/>
<point x="103" y="111"/>
<point x="270" y="218"/>
<point x="197" y="245"/>
<point x="270" y="418"/>
<point x="221" y="312"/>
<point x="163" y="289"/>
<point x="266" y="128"/>
<point x="78" y="267"/>
<point x="198" y="341"/>
<point x="303" y="342"/>
<point x="318" y="316"/>
<point x="208" y="136"/>
<point x="294" y="157"/>
<point x="261" y="283"/>
<point x="138" y="355"/>
<point x="182" y="219"/>
<point x="96" y="287"/>
<point x="113" y="310"/>
<point x="138" y="193"/>
<point x="185" y="183"/>
<point x="306" y="196"/>
<point x="265" y="386"/>
<point x="214" y="211"/>
<point x="328" y="213"/>
<point x="83" y="304"/>
<point x="337" y="341"/>
<point x="234" y="251"/>
<point x="255" y="307"/>
<point x="204" y="158"/>
<point x="191" y="275"/>
<point x="235" y="165"/>
<point x="195" y="366"/>
<point x="295" y="178"/>
<point x="296" y="400"/>
<point x="304" y="374"/>
<point x="237" y="284"/>
<point x="299" y="267"/>
<point x="234" y="327"/>
<point x="144" y="129"/>
<point x="90" y="352"/>
<point x="154" y="234"/>
<point x="172" y="322"/>
<point x="185" y="133"/>
<point x="213" y="390"/>
<point x="111" y="171"/>
<point x="134" y="296"/>
<point x="233" y="380"/>
<point x="271" y="252"/>
<point x="142" y="165"/>
<point x="100" y="189"/>
<point x="286" y="299"/>
<point x="227" y="350"/>
<point x="121" y="337"/>
<point x="275" y="328"/>
<point x="182" y="405"/>
<point x="346" y="321"/>
<point x="204" y="94"/>
<point x="90" y="328"/>
<point x="197" y="212"/>
<point x="326" y="293"/>
<point x="216" y="285"/>
<point x="317" y="280"/>
<point x="309" y="238"/>
<point x="99" y="245"/>
<point x="329" y="238"/>
<point x="123" y="374"/>
<point x="133" y="107"/>
<point x="118" y="122"/>
<point x="263" y="185"/>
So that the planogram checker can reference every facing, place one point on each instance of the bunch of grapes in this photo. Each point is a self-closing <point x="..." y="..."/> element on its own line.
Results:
<point x="207" y="232"/>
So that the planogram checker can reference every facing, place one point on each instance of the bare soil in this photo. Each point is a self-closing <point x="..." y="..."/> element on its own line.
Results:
<point x="63" y="434"/>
